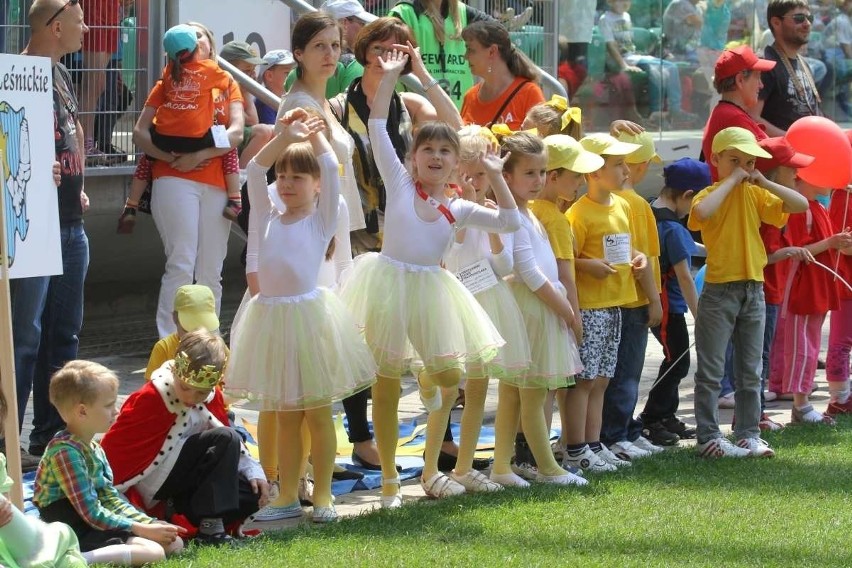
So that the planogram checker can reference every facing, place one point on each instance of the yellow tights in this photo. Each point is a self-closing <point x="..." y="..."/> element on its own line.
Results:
<point x="386" y="428"/>
<point x="323" y="448"/>
<point x="475" y="391"/>
<point x="267" y="449"/>
<point x="436" y="423"/>
<point x="528" y="404"/>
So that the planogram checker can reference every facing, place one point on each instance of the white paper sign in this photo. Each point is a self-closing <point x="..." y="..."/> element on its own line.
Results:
<point x="617" y="248"/>
<point x="477" y="277"/>
<point x="220" y="136"/>
<point x="27" y="150"/>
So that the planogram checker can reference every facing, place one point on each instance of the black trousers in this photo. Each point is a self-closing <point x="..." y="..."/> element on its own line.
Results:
<point x="90" y="538"/>
<point x="205" y="483"/>
<point x="663" y="399"/>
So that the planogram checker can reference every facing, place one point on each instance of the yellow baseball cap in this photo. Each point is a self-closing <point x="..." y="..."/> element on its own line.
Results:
<point x="606" y="145"/>
<point x="739" y="139"/>
<point x="196" y="308"/>
<point x="647" y="151"/>
<point x="563" y="151"/>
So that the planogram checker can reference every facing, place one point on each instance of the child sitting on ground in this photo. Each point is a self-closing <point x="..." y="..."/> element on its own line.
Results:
<point x="171" y="445"/>
<point x="729" y="214"/>
<point x="74" y="481"/>
<point x="25" y="541"/>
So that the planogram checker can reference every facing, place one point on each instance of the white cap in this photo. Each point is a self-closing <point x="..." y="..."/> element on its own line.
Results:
<point x="273" y="58"/>
<point x="340" y="9"/>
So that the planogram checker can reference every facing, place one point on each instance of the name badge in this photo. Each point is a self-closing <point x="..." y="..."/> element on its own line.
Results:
<point x="477" y="277"/>
<point x="617" y="248"/>
<point x="220" y="136"/>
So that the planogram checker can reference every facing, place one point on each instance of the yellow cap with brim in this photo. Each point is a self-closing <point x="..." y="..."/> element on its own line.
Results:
<point x="563" y="151"/>
<point x="606" y="145"/>
<point x="196" y="308"/>
<point x="647" y="152"/>
<point x="738" y="139"/>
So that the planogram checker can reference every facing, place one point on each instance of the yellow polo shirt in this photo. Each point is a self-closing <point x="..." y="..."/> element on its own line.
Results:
<point x="557" y="227"/>
<point x="645" y="239"/>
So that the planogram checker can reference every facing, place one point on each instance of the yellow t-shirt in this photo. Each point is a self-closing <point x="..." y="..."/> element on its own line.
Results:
<point x="735" y="251"/>
<point x="604" y="231"/>
<point x="164" y="350"/>
<point x="557" y="227"/>
<point x="645" y="239"/>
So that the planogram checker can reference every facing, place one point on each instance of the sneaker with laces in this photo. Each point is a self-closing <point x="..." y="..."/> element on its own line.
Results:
<point x="440" y="486"/>
<point x="626" y="451"/>
<point x="837" y="408"/>
<point x="679" y="427"/>
<point x="589" y="462"/>
<point x="558" y="451"/>
<point x="767" y="424"/>
<point x="324" y="514"/>
<point x="721" y="448"/>
<point x="476" y="482"/>
<point x="272" y="513"/>
<point x="566" y="479"/>
<point x="606" y="455"/>
<point x="644" y="443"/>
<point x="508" y="479"/>
<point x="658" y="434"/>
<point x="524" y="469"/>
<point x="757" y="447"/>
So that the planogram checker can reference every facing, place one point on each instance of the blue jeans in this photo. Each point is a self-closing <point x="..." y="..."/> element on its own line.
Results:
<point x="47" y="314"/>
<point x="731" y="312"/>
<point x="622" y="394"/>
<point x="663" y="79"/>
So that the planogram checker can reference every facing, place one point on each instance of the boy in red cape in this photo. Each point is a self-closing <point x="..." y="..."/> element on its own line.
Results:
<point x="171" y="444"/>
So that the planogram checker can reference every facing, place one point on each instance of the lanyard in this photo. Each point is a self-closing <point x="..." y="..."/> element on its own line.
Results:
<point x="434" y="203"/>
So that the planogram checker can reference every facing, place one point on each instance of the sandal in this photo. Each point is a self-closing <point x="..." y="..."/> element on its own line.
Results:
<point x="392" y="501"/>
<point x="440" y="486"/>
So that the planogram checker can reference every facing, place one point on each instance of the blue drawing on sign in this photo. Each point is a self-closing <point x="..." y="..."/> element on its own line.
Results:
<point x="15" y="153"/>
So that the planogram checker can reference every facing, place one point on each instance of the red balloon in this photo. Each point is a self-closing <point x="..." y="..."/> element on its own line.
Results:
<point x="821" y="138"/>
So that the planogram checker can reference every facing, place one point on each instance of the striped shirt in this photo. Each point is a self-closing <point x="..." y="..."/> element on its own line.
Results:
<point x="72" y="470"/>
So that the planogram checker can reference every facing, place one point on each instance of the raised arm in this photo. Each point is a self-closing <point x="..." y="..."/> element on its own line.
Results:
<point x="506" y="218"/>
<point x="440" y="106"/>
<point x="705" y="209"/>
<point x="794" y="202"/>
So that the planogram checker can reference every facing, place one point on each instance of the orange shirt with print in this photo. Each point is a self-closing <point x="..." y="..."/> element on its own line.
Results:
<point x="212" y="173"/>
<point x="475" y="111"/>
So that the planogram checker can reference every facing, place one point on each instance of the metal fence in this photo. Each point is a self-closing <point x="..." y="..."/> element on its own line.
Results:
<point x="111" y="84"/>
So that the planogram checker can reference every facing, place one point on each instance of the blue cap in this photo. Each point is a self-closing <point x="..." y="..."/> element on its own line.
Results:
<point x="182" y="37"/>
<point x="687" y="174"/>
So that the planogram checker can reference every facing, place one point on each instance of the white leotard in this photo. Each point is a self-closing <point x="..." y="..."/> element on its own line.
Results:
<point x="475" y="247"/>
<point x="533" y="258"/>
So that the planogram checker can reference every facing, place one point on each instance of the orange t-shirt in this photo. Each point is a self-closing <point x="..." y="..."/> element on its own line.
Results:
<point x="223" y="95"/>
<point x="474" y="111"/>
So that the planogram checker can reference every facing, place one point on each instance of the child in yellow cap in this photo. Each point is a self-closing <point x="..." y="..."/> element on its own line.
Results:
<point x="607" y="264"/>
<point x="729" y="214"/>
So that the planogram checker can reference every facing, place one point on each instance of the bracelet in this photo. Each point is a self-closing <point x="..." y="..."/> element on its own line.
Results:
<point x="431" y="84"/>
<point x="131" y="204"/>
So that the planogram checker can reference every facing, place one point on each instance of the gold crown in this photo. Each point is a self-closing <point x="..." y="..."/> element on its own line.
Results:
<point x="206" y="377"/>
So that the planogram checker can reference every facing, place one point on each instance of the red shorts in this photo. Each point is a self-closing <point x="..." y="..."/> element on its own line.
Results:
<point x="103" y="19"/>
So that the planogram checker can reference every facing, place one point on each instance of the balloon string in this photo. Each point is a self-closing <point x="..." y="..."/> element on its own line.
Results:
<point x="691" y="345"/>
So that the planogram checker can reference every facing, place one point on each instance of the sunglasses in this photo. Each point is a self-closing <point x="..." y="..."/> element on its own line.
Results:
<point x="62" y="9"/>
<point x="800" y="18"/>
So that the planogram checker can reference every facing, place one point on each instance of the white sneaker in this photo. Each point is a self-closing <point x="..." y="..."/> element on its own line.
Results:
<point x="509" y="480"/>
<point x="589" y="462"/>
<point x="606" y="455"/>
<point x="627" y="451"/>
<point x="644" y="443"/>
<point x="721" y="448"/>
<point x="758" y="447"/>
<point x="566" y="479"/>
<point x="476" y="482"/>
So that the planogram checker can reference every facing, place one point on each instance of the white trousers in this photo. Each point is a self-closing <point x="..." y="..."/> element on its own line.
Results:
<point x="188" y="216"/>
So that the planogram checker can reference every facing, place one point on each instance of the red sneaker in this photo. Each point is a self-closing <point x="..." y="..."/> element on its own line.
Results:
<point x="835" y="408"/>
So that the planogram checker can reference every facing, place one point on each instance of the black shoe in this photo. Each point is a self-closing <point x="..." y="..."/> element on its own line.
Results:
<point x="346" y="474"/>
<point x="37" y="449"/>
<point x="218" y="539"/>
<point x="481" y="463"/>
<point x="676" y="426"/>
<point x="447" y="462"/>
<point x="364" y="464"/>
<point x="659" y="434"/>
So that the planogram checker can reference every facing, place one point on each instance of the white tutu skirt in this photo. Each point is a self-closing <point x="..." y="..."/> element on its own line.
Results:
<point x="424" y="311"/>
<point x="513" y="358"/>
<point x="555" y="359"/>
<point x="297" y="352"/>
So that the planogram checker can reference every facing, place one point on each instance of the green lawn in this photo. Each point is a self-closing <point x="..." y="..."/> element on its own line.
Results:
<point x="669" y="510"/>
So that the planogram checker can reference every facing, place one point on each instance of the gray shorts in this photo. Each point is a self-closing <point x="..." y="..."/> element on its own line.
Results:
<point x="601" y="336"/>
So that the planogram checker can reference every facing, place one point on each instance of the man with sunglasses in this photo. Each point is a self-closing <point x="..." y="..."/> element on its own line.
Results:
<point x="47" y="312"/>
<point x="789" y="90"/>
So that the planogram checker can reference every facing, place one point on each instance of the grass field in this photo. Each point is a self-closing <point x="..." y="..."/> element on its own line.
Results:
<point x="668" y="510"/>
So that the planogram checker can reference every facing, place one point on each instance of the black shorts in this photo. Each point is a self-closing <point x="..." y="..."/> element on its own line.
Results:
<point x="90" y="538"/>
